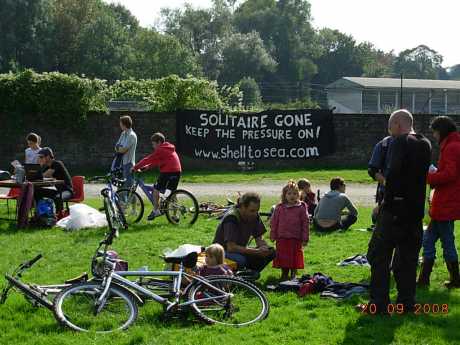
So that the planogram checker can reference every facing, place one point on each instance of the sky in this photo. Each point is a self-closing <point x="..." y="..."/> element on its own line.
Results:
<point x="389" y="24"/>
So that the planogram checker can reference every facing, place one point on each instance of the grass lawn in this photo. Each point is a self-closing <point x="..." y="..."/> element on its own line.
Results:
<point x="292" y="320"/>
<point x="358" y="175"/>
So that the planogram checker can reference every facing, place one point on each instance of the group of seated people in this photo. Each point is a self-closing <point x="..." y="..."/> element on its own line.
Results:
<point x="289" y="228"/>
<point x="50" y="168"/>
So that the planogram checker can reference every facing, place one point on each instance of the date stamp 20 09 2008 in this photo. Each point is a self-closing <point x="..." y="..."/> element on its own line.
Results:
<point x="419" y="309"/>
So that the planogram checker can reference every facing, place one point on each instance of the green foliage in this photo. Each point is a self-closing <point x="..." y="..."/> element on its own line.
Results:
<point x="420" y="62"/>
<point x="58" y="98"/>
<point x="169" y="94"/>
<point x="251" y="92"/>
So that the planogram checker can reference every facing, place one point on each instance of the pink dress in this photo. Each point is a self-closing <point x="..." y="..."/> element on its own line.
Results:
<point x="289" y="228"/>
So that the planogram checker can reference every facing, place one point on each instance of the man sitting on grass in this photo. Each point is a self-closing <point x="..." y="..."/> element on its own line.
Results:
<point x="165" y="157"/>
<point x="237" y="228"/>
<point x="328" y="213"/>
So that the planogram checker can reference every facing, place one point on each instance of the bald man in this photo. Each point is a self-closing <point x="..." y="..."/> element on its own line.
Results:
<point x="399" y="229"/>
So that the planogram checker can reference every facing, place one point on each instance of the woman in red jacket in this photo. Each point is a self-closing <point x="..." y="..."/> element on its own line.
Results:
<point x="445" y="206"/>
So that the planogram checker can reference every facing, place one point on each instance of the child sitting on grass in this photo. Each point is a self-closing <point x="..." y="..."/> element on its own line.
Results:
<point x="215" y="255"/>
<point x="306" y="195"/>
<point x="290" y="230"/>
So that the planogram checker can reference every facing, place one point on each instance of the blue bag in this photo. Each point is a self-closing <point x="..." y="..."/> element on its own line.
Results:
<point x="45" y="208"/>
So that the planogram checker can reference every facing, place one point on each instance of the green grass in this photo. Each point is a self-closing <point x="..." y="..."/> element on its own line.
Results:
<point x="292" y="320"/>
<point x="358" y="175"/>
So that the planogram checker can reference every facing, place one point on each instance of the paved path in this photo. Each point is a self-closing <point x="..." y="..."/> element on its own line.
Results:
<point x="361" y="194"/>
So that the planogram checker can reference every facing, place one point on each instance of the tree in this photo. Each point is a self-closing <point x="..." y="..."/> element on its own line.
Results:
<point x="420" y="62"/>
<point x="454" y="72"/>
<point x="158" y="55"/>
<point x="244" y="55"/>
<point x="251" y="92"/>
<point x="23" y="28"/>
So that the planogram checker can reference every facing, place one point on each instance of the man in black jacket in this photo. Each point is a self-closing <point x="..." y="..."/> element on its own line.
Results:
<point x="397" y="238"/>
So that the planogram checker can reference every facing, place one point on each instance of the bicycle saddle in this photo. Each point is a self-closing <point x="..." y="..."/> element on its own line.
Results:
<point x="188" y="260"/>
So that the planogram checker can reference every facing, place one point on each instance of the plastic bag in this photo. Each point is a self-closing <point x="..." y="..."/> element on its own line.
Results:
<point x="83" y="216"/>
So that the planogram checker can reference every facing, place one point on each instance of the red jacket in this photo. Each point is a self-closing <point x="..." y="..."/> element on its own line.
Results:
<point x="446" y="181"/>
<point x="290" y="222"/>
<point x="164" y="156"/>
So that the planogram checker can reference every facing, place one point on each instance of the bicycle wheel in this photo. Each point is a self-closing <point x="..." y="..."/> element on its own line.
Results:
<point x="181" y="207"/>
<point x="131" y="204"/>
<point x="246" y="305"/>
<point x="30" y="294"/>
<point x="111" y="214"/>
<point x="75" y="308"/>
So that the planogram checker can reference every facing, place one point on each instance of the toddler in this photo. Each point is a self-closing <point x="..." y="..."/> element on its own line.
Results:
<point x="215" y="254"/>
<point x="290" y="231"/>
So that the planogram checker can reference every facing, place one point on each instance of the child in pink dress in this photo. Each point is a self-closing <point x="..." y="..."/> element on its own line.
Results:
<point x="290" y="230"/>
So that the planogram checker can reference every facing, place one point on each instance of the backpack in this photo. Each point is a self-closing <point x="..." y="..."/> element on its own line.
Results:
<point x="45" y="213"/>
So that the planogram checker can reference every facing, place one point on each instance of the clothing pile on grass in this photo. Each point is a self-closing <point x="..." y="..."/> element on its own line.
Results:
<point x="322" y="284"/>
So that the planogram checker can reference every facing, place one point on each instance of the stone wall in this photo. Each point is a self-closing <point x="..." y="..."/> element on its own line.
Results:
<point x="91" y="147"/>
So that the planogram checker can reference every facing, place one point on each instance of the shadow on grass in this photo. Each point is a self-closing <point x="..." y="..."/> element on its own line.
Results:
<point x="378" y="329"/>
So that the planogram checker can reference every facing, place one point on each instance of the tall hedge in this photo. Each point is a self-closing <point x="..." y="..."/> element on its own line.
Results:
<point x="66" y="99"/>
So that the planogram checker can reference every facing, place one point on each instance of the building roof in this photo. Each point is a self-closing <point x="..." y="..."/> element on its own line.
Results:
<point x="394" y="83"/>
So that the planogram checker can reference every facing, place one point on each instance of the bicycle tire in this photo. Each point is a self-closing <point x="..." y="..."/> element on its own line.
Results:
<point x="227" y="312"/>
<point x="186" y="212"/>
<point x="132" y="216"/>
<point x="121" y="215"/>
<point x="29" y="293"/>
<point x="111" y="215"/>
<point x="84" y="295"/>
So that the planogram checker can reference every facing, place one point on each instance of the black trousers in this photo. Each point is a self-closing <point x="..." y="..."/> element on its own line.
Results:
<point x="395" y="245"/>
<point x="40" y="193"/>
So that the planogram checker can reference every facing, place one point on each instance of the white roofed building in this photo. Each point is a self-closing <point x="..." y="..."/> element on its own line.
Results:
<point x="382" y="95"/>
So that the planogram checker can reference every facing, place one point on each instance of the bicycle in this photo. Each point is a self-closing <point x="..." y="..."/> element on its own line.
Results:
<point x="37" y="295"/>
<point x="180" y="206"/>
<point x="110" y="301"/>
<point x="112" y="202"/>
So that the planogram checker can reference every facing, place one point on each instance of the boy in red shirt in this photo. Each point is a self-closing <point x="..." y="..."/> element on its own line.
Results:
<point x="165" y="157"/>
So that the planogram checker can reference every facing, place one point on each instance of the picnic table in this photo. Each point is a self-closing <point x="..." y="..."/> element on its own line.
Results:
<point x="26" y="196"/>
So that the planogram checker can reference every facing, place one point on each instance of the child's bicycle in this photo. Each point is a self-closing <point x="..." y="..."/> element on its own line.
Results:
<point x="180" y="206"/>
<point x="110" y="301"/>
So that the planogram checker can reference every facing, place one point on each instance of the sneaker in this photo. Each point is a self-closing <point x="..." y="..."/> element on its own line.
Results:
<point x="154" y="214"/>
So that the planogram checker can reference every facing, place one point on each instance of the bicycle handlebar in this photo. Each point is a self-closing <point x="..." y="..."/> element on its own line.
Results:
<point x="34" y="260"/>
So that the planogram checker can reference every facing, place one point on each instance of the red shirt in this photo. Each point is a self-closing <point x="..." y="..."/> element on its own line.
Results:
<point x="446" y="181"/>
<point x="290" y="222"/>
<point x="164" y="156"/>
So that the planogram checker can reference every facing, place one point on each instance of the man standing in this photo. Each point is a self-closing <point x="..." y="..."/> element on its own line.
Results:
<point x="235" y="231"/>
<point x="399" y="224"/>
<point x="126" y="145"/>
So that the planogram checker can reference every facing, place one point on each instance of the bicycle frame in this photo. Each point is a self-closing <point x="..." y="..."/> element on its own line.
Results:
<point x="118" y="277"/>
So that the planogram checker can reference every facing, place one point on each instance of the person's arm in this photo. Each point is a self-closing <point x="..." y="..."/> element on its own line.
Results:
<point x="305" y="224"/>
<point x="274" y="222"/>
<point x="149" y="161"/>
<point x="374" y="163"/>
<point x="449" y="171"/>
<point x="235" y="248"/>
<point x="48" y="173"/>
<point x="350" y="206"/>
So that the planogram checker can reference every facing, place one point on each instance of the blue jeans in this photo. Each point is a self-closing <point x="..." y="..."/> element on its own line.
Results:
<point x="445" y="231"/>
<point x="128" y="175"/>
